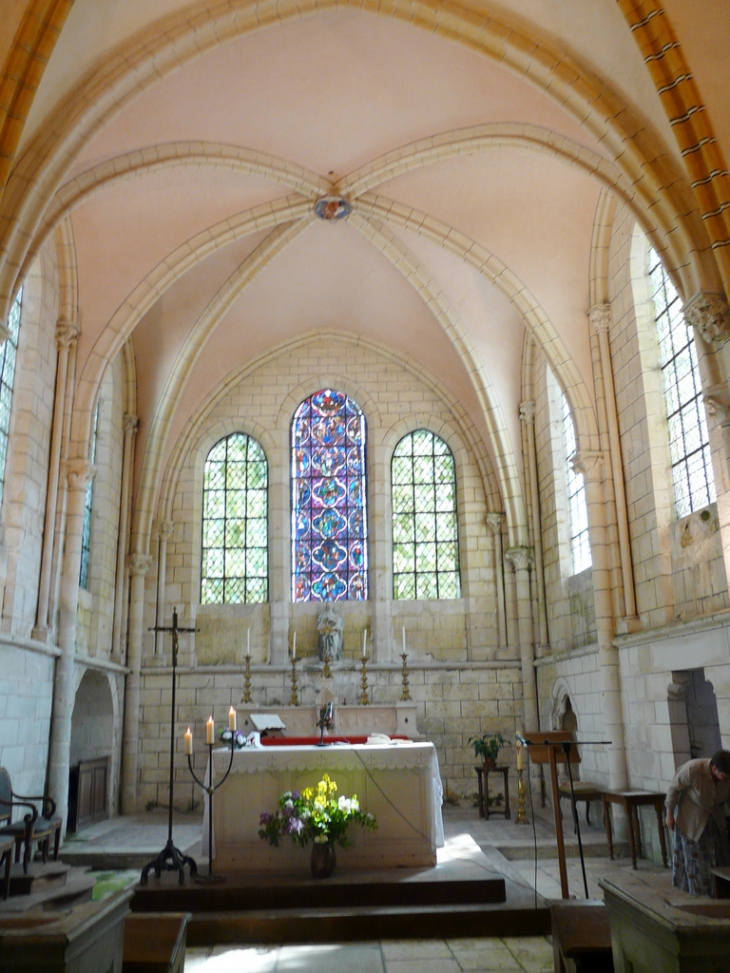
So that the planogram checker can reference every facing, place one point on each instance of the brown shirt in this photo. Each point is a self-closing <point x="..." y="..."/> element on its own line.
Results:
<point x="696" y="796"/>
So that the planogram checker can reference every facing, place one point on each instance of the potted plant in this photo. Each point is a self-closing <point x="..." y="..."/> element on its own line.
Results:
<point x="487" y="746"/>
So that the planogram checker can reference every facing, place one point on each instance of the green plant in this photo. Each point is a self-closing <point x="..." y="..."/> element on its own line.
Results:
<point x="488" y="745"/>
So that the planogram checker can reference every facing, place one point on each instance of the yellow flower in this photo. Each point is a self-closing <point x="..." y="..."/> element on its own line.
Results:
<point x="307" y="793"/>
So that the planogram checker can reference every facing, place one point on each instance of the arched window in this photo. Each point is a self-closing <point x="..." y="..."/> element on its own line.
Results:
<point x="88" y="505"/>
<point x="329" y="499"/>
<point x="689" y="443"/>
<point x="425" y="528"/>
<point x="235" y="567"/>
<point x="580" y="546"/>
<point x="8" y="352"/>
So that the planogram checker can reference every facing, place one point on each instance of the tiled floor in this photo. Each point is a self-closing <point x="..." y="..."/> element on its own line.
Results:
<point x="529" y="955"/>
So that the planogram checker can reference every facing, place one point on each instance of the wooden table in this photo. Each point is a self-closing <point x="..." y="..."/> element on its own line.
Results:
<point x="484" y="811"/>
<point x="581" y="937"/>
<point x="583" y="792"/>
<point x="631" y="801"/>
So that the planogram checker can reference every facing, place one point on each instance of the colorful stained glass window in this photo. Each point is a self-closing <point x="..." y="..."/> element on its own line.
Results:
<point x="329" y="499"/>
<point x="88" y="506"/>
<point x="235" y="567"/>
<point x="425" y="525"/>
<point x="8" y="351"/>
<point x="689" y="442"/>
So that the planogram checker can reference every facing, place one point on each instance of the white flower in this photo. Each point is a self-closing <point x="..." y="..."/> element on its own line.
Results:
<point x="344" y="804"/>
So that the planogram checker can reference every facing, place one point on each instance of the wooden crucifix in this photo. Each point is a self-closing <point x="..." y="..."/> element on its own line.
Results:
<point x="171" y="858"/>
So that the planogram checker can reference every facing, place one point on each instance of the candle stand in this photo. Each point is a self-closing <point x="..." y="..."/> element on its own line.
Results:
<point x="364" y="699"/>
<point x="406" y="694"/>
<point x="247" y="681"/>
<point x="521" y="818"/>
<point x="326" y="671"/>
<point x="210" y="791"/>
<point x="294" y="700"/>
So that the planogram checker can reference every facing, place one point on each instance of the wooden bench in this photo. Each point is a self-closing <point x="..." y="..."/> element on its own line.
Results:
<point x="581" y="937"/>
<point x="154" y="942"/>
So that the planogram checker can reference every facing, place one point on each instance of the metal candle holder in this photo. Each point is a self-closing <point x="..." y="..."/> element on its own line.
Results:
<point x="521" y="818"/>
<point x="247" y="681"/>
<point x="210" y="791"/>
<point x="364" y="699"/>
<point x="326" y="672"/>
<point x="406" y="694"/>
<point x="294" y="700"/>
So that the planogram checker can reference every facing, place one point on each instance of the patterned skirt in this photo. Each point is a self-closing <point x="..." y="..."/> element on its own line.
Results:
<point x="694" y="859"/>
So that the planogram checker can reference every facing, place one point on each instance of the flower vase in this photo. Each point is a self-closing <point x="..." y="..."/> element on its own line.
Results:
<point x="323" y="860"/>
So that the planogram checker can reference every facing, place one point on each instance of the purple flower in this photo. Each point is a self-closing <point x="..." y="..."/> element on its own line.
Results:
<point x="265" y="818"/>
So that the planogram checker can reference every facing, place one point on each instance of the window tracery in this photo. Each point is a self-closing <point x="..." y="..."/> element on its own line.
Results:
<point x="8" y="354"/>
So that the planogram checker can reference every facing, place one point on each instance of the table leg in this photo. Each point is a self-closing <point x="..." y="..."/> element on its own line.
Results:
<point x="637" y="821"/>
<point x="481" y="792"/>
<point x="486" y="794"/>
<point x="632" y="837"/>
<point x="607" y="822"/>
<point x="506" y="795"/>
<point x="659" y="808"/>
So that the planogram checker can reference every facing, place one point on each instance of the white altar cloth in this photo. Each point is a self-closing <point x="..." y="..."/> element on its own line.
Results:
<point x="397" y="782"/>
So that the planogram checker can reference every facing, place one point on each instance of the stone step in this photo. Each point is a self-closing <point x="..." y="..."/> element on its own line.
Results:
<point x="40" y="877"/>
<point x="76" y="887"/>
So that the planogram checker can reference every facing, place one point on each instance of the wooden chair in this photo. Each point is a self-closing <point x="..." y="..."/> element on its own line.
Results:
<point x="34" y="827"/>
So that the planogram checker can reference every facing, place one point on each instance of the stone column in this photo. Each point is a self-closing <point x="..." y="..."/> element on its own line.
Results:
<point x="67" y="336"/>
<point x="164" y="533"/>
<point x="494" y="526"/>
<point x="130" y="424"/>
<point x="380" y="597"/>
<point x="80" y="472"/>
<point x="590" y="464"/>
<point x="139" y="565"/>
<point x="527" y="418"/>
<point x="521" y="559"/>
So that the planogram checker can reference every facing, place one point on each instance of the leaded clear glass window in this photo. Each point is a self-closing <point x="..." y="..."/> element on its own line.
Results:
<point x="425" y="527"/>
<point x="8" y="353"/>
<point x="88" y="505"/>
<point x="329" y="499"/>
<point x="235" y="568"/>
<point x="580" y="546"/>
<point x="689" y="443"/>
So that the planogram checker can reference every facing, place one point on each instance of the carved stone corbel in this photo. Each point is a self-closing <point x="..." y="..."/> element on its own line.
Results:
<point x="709" y="315"/>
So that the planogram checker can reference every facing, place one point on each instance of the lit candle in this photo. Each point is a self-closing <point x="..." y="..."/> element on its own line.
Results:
<point x="404" y="640"/>
<point x="189" y="742"/>
<point x="364" y="643"/>
<point x="231" y="719"/>
<point x="294" y="645"/>
<point x="248" y="642"/>
<point x="210" y="731"/>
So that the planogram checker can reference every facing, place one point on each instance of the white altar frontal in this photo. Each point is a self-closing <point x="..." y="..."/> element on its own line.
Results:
<point x="398" y="782"/>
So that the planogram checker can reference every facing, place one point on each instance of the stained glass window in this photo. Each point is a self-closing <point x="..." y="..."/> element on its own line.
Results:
<point x="235" y="567"/>
<point x="425" y="527"/>
<point x="580" y="545"/>
<point x="88" y="505"/>
<point x="329" y="499"/>
<point x="689" y="443"/>
<point x="8" y="351"/>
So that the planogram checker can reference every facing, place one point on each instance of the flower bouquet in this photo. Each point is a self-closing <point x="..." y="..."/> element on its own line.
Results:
<point x="315" y="814"/>
<point x="239" y="738"/>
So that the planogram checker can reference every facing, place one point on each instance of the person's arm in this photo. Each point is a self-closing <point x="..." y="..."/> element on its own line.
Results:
<point x="680" y="783"/>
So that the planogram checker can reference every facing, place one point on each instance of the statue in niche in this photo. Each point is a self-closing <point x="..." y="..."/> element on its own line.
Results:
<point x="329" y="627"/>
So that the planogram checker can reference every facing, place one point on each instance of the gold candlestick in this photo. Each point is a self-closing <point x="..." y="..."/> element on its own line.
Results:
<point x="326" y="671"/>
<point x="520" y="819"/>
<point x="247" y="681"/>
<point x="406" y="694"/>
<point x="364" y="700"/>
<point x="294" y="700"/>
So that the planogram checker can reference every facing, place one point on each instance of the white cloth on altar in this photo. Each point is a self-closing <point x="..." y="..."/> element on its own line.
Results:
<point x="337" y="759"/>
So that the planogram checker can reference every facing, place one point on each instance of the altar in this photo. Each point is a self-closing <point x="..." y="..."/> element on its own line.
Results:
<point x="398" y="782"/>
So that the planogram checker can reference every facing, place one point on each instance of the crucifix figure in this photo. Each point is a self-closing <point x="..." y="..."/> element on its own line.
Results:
<point x="171" y="859"/>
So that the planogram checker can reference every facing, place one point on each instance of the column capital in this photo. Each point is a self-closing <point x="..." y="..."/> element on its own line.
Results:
<point x="527" y="411"/>
<point x="589" y="462"/>
<point x="80" y="473"/>
<point x="165" y="529"/>
<point x="67" y="333"/>
<point x="494" y="520"/>
<point x="139" y="564"/>
<point x="599" y="318"/>
<point x="709" y="315"/>
<point x="521" y="558"/>
<point x="130" y="424"/>
<point x="717" y="403"/>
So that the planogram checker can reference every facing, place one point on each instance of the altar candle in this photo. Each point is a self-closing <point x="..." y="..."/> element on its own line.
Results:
<point x="231" y="719"/>
<point x="364" y="643"/>
<point x="189" y="742"/>
<point x="210" y="731"/>
<point x="294" y="645"/>
<point x="248" y="642"/>
<point x="519" y="756"/>
<point x="404" y="640"/>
